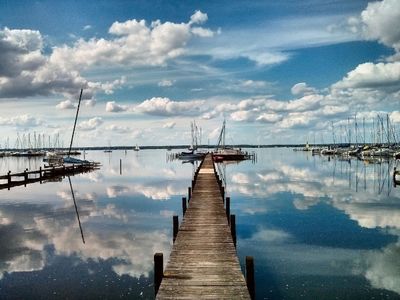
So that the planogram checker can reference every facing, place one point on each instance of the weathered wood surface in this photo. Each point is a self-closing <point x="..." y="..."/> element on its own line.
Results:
<point x="43" y="175"/>
<point x="203" y="263"/>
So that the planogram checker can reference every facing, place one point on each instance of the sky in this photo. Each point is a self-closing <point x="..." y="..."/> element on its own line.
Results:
<point x="279" y="72"/>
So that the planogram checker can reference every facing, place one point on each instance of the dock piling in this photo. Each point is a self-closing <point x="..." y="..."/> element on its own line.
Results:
<point x="228" y="207"/>
<point x="184" y="205"/>
<point x="189" y="193"/>
<point x="233" y="229"/>
<point x="158" y="271"/>
<point x="250" y="276"/>
<point x="175" y="221"/>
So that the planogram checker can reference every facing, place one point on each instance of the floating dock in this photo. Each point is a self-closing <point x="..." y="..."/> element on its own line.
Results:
<point x="203" y="263"/>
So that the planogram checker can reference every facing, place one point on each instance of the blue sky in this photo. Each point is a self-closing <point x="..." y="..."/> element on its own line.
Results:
<point x="278" y="72"/>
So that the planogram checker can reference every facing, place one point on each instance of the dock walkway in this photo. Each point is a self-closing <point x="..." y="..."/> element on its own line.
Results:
<point x="203" y="263"/>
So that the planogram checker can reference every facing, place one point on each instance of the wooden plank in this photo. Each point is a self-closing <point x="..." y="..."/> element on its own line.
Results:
<point x="203" y="263"/>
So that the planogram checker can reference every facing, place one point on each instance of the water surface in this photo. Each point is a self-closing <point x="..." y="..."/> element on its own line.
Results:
<point x="317" y="228"/>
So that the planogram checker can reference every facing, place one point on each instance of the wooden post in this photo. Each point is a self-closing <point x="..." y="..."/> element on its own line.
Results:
<point x="250" y="276"/>
<point x="222" y="191"/>
<point x="228" y="207"/>
<point x="193" y="182"/>
<point x="120" y="166"/>
<point x="233" y="229"/>
<point x="189" y="193"/>
<point x="176" y="227"/>
<point x="158" y="271"/>
<point x="184" y="206"/>
<point x="25" y="177"/>
<point x="40" y="175"/>
<point x="9" y="179"/>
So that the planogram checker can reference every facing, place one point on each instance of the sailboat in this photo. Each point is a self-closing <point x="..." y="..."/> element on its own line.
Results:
<point x="68" y="159"/>
<point x="192" y="154"/>
<point x="227" y="153"/>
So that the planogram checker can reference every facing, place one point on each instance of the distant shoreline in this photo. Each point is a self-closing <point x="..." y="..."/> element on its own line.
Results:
<point x="182" y="147"/>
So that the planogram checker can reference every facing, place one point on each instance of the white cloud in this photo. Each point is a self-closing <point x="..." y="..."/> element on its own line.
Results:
<point x="133" y="43"/>
<point x="90" y="103"/>
<point x="87" y="27"/>
<point x="384" y="76"/>
<point x="119" y="129"/>
<point x="202" y="32"/>
<point x="25" y="120"/>
<point x="198" y="18"/>
<point x="165" y="107"/>
<point x="380" y="21"/>
<point x="90" y="124"/>
<point x="112" y="106"/>
<point x="169" y="125"/>
<point x="66" y="104"/>
<point x="302" y="88"/>
<point x="254" y="84"/>
<point x="166" y="83"/>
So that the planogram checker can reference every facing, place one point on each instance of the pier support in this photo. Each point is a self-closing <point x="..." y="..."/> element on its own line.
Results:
<point x="158" y="271"/>
<point x="189" y="193"/>
<point x="184" y="205"/>
<point x="233" y="229"/>
<point x="228" y="208"/>
<point x="176" y="227"/>
<point x="250" y="276"/>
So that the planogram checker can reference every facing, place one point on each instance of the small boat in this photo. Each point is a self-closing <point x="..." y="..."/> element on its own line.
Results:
<point x="227" y="153"/>
<point x="137" y="148"/>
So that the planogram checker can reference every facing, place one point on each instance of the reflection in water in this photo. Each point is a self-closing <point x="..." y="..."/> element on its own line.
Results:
<point x="76" y="209"/>
<point x="311" y="219"/>
<point x="318" y="228"/>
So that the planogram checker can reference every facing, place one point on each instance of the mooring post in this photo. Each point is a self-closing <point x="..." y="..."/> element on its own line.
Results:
<point x="175" y="227"/>
<point x="120" y="166"/>
<point x="233" y="229"/>
<point x="25" y="177"/>
<point x="184" y="206"/>
<point x="158" y="271"/>
<point x="222" y="191"/>
<point x="40" y="175"/>
<point x="228" y="207"/>
<point x="250" y="277"/>
<point x="193" y="182"/>
<point x="9" y="177"/>
<point x="189" y="193"/>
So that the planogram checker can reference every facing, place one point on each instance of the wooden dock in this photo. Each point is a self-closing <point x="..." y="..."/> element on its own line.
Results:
<point x="43" y="174"/>
<point x="203" y="263"/>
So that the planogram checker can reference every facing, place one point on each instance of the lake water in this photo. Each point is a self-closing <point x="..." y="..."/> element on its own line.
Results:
<point x="317" y="228"/>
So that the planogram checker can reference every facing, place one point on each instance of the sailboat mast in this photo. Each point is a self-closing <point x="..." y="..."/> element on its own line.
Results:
<point x="76" y="118"/>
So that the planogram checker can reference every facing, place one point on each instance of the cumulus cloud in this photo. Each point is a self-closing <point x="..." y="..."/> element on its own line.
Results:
<point x="133" y="43"/>
<point x="302" y="88"/>
<point x="118" y="129"/>
<point x="384" y="76"/>
<point x="90" y="124"/>
<point x="26" y="70"/>
<point x="380" y="21"/>
<point x="112" y="106"/>
<point x="165" y="107"/>
<point x="66" y="104"/>
<point x="25" y="120"/>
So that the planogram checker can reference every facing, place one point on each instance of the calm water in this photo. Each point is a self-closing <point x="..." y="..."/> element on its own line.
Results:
<point x="317" y="228"/>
